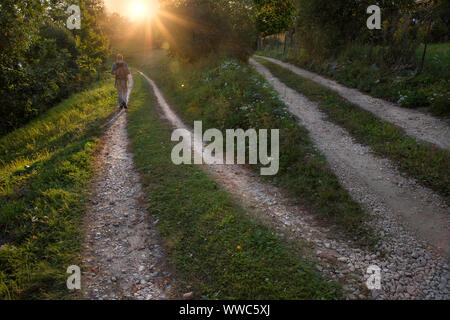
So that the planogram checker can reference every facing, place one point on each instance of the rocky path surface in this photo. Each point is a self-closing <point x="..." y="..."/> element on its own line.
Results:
<point x="415" y="123"/>
<point x="123" y="256"/>
<point x="373" y="181"/>
<point x="411" y="269"/>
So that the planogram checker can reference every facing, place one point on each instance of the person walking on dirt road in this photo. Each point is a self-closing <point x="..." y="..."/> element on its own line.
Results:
<point x="121" y="71"/>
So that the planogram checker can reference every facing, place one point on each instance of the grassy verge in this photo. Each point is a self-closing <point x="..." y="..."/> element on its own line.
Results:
<point x="214" y="246"/>
<point x="45" y="168"/>
<point x="226" y="94"/>
<point x="428" y="164"/>
<point x="359" y="67"/>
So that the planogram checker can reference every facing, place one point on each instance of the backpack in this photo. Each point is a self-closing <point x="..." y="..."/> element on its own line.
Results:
<point x="121" y="71"/>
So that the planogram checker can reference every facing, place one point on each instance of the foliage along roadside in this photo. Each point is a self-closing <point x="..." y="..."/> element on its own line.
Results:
<point x="361" y="67"/>
<point x="42" y="62"/>
<point x="225" y="94"/>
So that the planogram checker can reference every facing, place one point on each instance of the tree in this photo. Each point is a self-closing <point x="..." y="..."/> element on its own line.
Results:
<point x="196" y="28"/>
<point x="273" y="16"/>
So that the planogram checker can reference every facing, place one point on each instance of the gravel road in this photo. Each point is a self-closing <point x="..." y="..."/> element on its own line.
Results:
<point x="415" y="123"/>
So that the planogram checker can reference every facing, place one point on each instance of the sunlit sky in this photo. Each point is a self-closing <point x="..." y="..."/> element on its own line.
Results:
<point x="134" y="9"/>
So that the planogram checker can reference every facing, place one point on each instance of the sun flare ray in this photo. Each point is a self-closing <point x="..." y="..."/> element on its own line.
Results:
<point x="142" y="9"/>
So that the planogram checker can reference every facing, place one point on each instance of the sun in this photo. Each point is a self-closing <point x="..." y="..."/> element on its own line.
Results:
<point x="142" y="9"/>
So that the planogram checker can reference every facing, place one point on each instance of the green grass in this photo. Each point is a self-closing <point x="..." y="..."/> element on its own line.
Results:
<point x="226" y="94"/>
<point x="423" y="161"/>
<point x="45" y="170"/>
<point x="362" y="67"/>
<point x="212" y="243"/>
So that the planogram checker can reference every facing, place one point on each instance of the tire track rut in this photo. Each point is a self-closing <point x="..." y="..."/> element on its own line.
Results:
<point x="410" y="268"/>
<point x="123" y="255"/>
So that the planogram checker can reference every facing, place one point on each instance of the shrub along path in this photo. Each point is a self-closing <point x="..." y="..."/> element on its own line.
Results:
<point x="415" y="123"/>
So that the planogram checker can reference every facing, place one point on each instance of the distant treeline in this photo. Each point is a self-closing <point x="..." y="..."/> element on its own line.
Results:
<point x="41" y="60"/>
<point x="321" y="28"/>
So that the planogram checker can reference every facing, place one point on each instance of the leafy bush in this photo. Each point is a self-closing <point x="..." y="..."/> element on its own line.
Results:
<point x="41" y="61"/>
